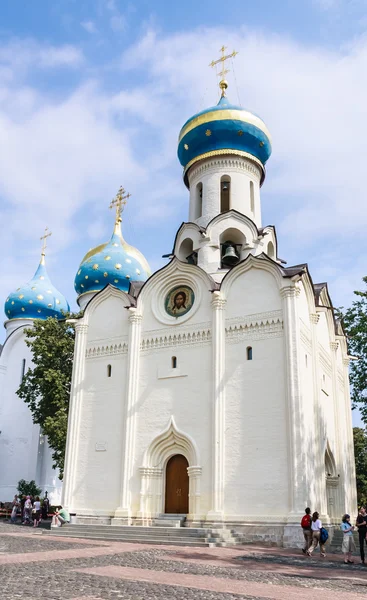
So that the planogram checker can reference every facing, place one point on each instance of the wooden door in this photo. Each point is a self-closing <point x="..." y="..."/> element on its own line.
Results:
<point x="177" y="485"/>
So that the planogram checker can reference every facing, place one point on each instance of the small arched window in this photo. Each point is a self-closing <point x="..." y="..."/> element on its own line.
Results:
<point x="22" y="373"/>
<point x="249" y="353"/>
<point x="199" y="200"/>
<point x="225" y="193"/>
<point x="109" y="370"/>
<point x="252" y="197"/>
<point x="271" y="252"/>
<point x="174" y="362"/>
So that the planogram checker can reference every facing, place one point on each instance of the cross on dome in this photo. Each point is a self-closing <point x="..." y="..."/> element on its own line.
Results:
<point x="43" y="239"/>
<point x="119" y="203"/>
<point x="223" y="84"/>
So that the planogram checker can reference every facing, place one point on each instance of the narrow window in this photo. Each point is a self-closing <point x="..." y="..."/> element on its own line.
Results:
<point x="271" y="252"/>
<point x="174" y="362"/>
<point x="22" y="370"/>
<point x="109" y="370"/>
<point x="306" y="359"/>
<point x="199" y="200"/>
<point x="249" y="353"/>
<point x="252" y="197"/>
<point x="225" y="191"/>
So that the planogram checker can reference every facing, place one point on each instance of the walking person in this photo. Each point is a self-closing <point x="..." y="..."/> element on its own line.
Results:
<point x="27" y="511"/>
<point x="316" y="527"/>
<point x="348" y="545"/>
<point x="361" y="524"/>
<point x="45" y="507"/>
<point x="306" y="528"/>
<point x="14" y="510"/>
<point x="36" y="512"/>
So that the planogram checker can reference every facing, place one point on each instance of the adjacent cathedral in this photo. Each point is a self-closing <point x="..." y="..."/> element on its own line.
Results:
<point x="216" y="388"/>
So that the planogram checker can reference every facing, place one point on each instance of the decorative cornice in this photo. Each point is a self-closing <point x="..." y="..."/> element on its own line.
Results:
<point x="135" y="317"/>
<point x="224" y="151"/>
<point x="98" y="351"/>
<point x="289" y="291"/>
<point x="177" y="339"/>
<point x="334" y="346"/>
<point x="218" y="302"/>
<point x="346" y="361"/>
<point x="194" y="471"/>
<point x="243" y="163"/>
<point x="314" y="318"/>
<point x="81" y="328"/>
<point x="237" y="333"/>
<point x="150" y="471"/>
<point x="256" y="319"/>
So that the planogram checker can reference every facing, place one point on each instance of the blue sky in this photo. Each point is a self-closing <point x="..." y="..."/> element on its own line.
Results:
<point x="93" y="95"/>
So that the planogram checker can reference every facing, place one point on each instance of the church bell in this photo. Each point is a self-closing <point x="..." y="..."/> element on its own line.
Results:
<point x="230" y="257"/>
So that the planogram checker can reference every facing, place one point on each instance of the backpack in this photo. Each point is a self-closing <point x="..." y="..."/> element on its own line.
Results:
<point x="323" y="535"/>
<point x="306" y="522"/>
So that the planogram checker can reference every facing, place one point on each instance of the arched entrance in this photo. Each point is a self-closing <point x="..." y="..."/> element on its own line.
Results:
<point x="177" y="485"/>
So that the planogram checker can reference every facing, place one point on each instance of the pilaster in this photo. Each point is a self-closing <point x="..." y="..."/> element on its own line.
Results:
<point x="218" y="345"/>
<point x="75" y="408"/>
<point x="124" y="510"/>
<point x="297" y="454"/>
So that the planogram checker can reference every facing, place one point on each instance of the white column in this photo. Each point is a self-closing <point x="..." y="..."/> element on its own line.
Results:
<point x="75" y="408"/>
<point x="297" y="454"/>
<point x="124" y="510"/>
<point x="218" y="427"/>
<point x="194" y="492"/>
<point x="349" y="461"/>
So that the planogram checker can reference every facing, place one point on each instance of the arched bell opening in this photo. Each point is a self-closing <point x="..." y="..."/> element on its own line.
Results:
<point x="231" y="246"/>
<point x="186" y="252"/>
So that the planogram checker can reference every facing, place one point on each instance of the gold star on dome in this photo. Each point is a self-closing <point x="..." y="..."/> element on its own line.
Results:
<point x="208" y="133"/>
<point x="95" y="267"/>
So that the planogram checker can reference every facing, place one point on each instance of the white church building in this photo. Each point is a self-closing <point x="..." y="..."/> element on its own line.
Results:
<point x="216" y="388"/>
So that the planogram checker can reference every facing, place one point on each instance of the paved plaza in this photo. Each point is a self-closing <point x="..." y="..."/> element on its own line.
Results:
<point x="36" y="565"/>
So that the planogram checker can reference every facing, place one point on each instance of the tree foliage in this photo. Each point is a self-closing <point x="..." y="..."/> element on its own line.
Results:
<point x="46" y="386"/>
<point x="360" y="452"/>
<point x="28" y="488"/>
<point x="355" y="324"/>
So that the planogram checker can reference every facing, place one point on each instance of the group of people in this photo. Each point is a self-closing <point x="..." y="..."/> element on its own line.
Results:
<point x="31" y="509"/>
<point x="315" y="534"/>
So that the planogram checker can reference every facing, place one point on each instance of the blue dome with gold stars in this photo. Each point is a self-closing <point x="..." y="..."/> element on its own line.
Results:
<point x="224" y="129"/>
<point x="37" y="299"/>
<point x="115" y="262"/>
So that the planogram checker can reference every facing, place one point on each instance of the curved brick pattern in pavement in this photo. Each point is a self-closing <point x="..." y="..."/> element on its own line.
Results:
<point x="36" y="567"/>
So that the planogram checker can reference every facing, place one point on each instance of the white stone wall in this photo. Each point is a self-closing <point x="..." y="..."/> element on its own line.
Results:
<point x="209" y="172"/>
<point x="22" y="455"/>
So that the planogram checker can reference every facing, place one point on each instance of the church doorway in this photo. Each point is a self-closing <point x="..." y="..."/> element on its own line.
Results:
<point x="177" y="485"/>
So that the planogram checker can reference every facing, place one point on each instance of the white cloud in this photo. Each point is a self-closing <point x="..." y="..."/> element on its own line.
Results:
<point x="23" y="54"/>
<point x="89" y="26"/>
<point x="64" y="156"/>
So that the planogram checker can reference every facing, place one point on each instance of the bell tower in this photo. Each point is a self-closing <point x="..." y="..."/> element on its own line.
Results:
<point x="223" y="151"/>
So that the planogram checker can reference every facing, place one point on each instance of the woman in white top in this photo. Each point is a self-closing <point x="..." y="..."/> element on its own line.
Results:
<point x="36" y="512"/>
<point x="316" y="526"/>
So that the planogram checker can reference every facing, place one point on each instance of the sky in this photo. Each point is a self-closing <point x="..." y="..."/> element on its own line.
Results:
<point x="93" y="95"/>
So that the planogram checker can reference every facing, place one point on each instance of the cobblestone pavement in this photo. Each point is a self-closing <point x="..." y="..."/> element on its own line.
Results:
<point x="36" y="565"/>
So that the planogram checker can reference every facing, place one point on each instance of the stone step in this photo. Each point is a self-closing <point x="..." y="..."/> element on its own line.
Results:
<point x="183" y="531"/>
<point x="169" y="541"/>
<point x="111" y="533"/>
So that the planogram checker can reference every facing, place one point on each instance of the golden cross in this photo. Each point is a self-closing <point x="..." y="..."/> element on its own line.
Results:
<point x="223" y="84"/>
<point x="119" y="203"/>
<point x="43" y="238"/>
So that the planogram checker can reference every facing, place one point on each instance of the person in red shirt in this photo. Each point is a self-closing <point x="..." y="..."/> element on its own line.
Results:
<point x="306" y="528"/>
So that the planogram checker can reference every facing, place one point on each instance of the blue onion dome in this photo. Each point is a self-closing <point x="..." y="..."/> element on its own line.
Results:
<point x="37" y="299"/>
<point x="224" y="129"/>
<point x="115" y="263"/>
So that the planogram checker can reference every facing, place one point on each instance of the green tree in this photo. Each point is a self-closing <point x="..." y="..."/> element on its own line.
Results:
<point x="360" y="452"/>
<point x="28" y="488"/>
<point x="46" y="386"/>
<point x="355" y="324"/>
